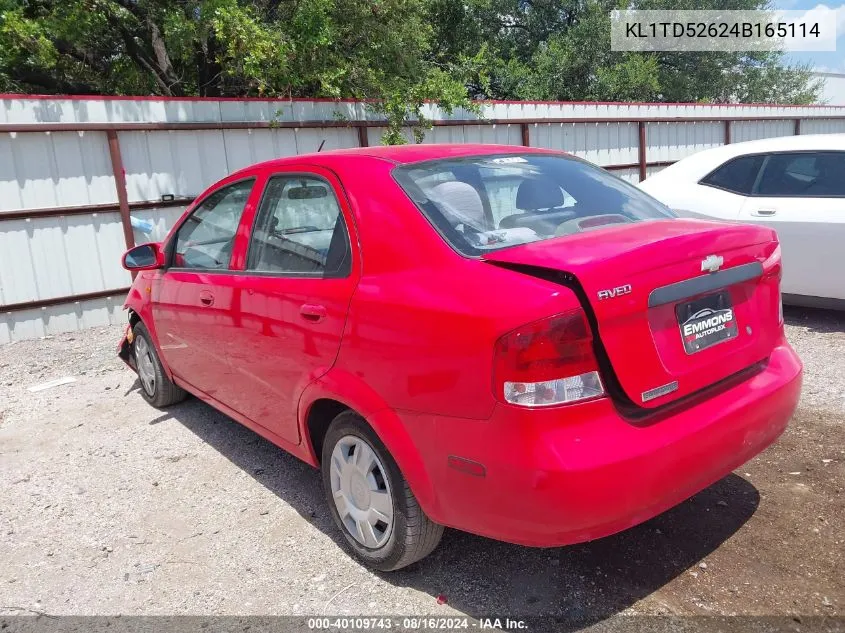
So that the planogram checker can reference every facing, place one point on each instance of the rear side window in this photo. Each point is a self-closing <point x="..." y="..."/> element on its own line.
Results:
<point x="804" y="174"/>
<point x="299" y="229"/>
<point x="737" y="175"/>
<point x="206" y="237"/>
<point x="485" y="203"/>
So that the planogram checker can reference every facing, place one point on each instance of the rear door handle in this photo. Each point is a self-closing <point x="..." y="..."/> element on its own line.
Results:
<point x="206" y="298"/>
<point x="764" y="212"/>
<point x="312" y="312"/>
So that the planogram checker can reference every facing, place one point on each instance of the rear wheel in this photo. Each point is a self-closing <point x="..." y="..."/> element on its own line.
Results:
<point x="156" y="387"/>
<point x="369" y="499"/>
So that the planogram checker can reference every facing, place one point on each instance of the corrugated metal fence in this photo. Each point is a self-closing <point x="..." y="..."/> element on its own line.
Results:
<point x="76" y="174"/>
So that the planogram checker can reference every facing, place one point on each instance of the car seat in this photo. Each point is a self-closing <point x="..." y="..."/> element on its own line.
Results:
<point x="541" y="201"/>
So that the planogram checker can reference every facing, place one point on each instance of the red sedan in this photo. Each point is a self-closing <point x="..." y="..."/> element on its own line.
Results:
<point x="504" y="340"/>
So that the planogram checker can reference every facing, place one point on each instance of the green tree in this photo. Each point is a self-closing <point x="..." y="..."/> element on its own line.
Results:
<point x="377" y="50"/>
<point x="397" y="54"/>
<point x="560" y="49"/>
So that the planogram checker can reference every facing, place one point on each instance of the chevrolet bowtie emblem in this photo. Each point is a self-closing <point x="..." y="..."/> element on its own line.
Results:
<point x="712" y="263"/>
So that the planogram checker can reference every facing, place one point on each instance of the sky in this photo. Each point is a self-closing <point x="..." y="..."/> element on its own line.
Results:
<point x="833" y="61"/>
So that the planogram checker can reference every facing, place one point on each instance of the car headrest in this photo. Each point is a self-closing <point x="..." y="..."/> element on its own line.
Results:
<point x="538" y="193"/>
<point x="461" y="202"/>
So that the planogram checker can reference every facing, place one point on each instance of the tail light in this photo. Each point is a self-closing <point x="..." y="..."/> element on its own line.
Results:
<point x="773" y="269"/>
<point x="547" y="362"/>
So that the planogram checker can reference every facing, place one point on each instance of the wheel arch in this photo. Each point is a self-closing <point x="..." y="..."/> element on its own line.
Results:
<point x="319" y="417"/>
<point x="134" y="317"/>
<point x="139" y="309"/>
<point x="338" y="391"/>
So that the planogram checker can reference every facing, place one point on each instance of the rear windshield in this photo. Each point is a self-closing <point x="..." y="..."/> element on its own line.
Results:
<point x="486" y="203"/>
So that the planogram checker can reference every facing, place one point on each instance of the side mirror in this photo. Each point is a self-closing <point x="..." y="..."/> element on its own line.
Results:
<point x="144" y="257"/>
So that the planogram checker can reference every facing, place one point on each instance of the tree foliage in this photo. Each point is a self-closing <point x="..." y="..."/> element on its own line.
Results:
<point x="560" y="49"/>
<point x="398" y="54"/>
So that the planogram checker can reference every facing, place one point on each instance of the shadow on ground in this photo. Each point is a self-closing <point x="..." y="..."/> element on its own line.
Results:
<point x="815" y="319"/>
<point x="480" y="577"/>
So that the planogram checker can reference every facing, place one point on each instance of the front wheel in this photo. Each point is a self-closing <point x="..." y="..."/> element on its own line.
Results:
<point x="369" y="499"/>
<point x="156" y="387"/>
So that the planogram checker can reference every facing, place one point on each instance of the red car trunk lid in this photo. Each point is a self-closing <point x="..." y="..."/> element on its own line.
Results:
<point x="646" y="281"/>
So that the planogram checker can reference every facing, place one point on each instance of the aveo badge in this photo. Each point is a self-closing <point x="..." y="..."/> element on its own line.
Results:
<point x="708" y="327"/>
<point x="612" y="293"/>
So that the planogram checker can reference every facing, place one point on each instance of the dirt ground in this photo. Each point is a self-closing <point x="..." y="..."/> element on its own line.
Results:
<point x="108" y="506"/>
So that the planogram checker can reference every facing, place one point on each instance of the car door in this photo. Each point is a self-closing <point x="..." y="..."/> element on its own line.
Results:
<point x="192" y="301"/>
<point x="802" y="196"/>
<point x="292" y="297"/>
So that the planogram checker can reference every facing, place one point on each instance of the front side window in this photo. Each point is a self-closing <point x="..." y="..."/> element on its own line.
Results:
<point x="486" y="203"/>
<point x="206" y="237"/>
<point x="299" y="229"/>
<point x="804" y="174"/>
<point x="738" y="175"/>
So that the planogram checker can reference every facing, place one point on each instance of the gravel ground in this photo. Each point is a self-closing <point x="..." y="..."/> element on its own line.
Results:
<point x="112" y="507"/>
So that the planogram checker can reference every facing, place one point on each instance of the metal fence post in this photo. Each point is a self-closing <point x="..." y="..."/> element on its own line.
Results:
<point x="120" y="185"/>
<point x="642" y="150"/>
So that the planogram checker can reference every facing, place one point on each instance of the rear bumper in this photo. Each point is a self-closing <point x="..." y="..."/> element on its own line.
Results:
<point x="577" y="473"/>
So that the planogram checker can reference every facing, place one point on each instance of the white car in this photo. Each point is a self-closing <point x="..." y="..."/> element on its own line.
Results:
<point x="794" y="184"/>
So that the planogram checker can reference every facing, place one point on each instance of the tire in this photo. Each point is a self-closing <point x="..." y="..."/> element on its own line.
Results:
<point x="156" y="387"/>
<point x="411" y="534"/>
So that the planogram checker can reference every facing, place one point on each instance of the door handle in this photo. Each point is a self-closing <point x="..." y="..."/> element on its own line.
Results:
<point x="764" y="212"/>
<point x="312" y="312"/>
<point x="206" y="298"/>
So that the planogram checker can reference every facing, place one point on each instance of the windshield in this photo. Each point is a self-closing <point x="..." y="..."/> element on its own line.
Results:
<point x="486" y="203"/>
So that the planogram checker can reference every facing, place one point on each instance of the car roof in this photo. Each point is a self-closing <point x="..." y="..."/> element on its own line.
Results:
<point x="702" y="163"/>
<point x="402" y="154"/>
<point x="801" y="142"/>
